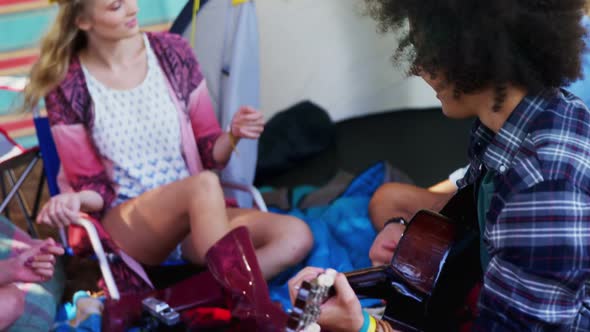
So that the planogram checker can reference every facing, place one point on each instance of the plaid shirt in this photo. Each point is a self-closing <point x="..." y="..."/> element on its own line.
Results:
<point x="538" y="224"/>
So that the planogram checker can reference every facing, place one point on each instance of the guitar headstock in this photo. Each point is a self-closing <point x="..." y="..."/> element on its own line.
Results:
<point x="306" y="309"/>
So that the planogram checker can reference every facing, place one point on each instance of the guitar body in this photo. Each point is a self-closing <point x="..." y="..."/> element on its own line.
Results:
<point x="435" y="266"/>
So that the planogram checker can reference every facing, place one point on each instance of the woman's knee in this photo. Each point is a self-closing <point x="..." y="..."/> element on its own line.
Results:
<point x="12" y="300"/>
<point x="204" y="183"/>
<point x="300" y="238"/>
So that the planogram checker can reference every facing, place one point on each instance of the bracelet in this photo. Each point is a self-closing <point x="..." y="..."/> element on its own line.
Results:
<point x="232" y="141"/>
<point x="372" y="324"/>
<point x="383" y="326"/>
<point x="369" y="323"/>
<point x="396" y="220"/>
<point x="366" y="320"/>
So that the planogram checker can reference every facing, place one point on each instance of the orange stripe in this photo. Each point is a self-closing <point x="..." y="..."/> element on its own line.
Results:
<point x="12" y="117"/>
<point x="18" y="125"/>
<point x="19" y="53"/>
<point x="24" y="70"/>
<point x="11" y="6"/>
<point x="22" y="133"/>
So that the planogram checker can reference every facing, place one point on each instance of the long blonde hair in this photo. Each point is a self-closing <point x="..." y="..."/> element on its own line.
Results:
<point x="63" y="40"/>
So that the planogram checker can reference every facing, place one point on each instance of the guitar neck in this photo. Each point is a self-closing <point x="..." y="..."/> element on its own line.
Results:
<point x="371" y="282"/>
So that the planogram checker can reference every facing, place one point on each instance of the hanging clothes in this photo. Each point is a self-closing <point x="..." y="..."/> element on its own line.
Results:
<point x="229" y="60"/>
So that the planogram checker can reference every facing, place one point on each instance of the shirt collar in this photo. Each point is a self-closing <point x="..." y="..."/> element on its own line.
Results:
<point x="497" y="151"/>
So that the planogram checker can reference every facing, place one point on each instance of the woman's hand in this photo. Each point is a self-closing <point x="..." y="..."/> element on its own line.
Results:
<point x="36" y="263"/>
<point x="247" y="123"/>
<point x="61" y="210"/>
<point x="341" y="313"/>
<point x="385" y="244"/>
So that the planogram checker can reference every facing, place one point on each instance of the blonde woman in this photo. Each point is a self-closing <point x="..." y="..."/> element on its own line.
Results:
<point x="135" y="131"/>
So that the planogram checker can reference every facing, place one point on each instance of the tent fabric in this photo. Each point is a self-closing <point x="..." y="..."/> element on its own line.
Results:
<point x="325" y="51"/>
<point x="581" y="88"/>
<point x="330" y="52"/>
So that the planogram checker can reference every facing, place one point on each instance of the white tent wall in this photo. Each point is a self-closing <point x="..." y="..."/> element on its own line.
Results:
<point x="327" y="51"/>
<point x="226" y="45"/>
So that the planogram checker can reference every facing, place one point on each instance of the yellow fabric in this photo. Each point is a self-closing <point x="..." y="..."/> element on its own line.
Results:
<point x="196" y="7"/>
<point x="238" y="2"/>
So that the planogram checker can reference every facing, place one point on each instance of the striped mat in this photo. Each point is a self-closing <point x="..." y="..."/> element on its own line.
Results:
<point x="22" y="24"/>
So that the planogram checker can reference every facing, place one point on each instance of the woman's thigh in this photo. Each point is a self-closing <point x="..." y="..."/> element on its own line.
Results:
<point x="150" y="226"/>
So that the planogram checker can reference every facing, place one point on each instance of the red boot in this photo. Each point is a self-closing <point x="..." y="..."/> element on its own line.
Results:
<point x="201" y="290"/>
<point x="232" y="262"/>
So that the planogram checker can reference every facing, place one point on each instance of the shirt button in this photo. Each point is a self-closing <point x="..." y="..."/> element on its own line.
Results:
<point x="502" y="168"/>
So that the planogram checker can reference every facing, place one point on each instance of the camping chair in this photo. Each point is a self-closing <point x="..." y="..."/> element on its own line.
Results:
<point x="92" y="227"/>
<point x="12" y="156"/>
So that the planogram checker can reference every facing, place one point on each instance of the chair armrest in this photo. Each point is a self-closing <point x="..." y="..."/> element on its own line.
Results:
<point x="101" y="256"/>
<point x="19" y="157"/>
<point x="256" y="196"/>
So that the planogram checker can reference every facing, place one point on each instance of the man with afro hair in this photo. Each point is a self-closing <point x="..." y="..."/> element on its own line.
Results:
<point x="505" y="62"/>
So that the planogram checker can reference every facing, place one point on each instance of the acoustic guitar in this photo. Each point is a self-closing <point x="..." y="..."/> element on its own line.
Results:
<point x="435" y="266"/>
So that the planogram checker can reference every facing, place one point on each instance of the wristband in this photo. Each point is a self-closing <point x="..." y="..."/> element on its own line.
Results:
<point x="369" y="323"/>
<point x="366" y="322"/>
<point x="396" y="220"/>
<point x="372" y="324"/>
<point x="232" y="141"/>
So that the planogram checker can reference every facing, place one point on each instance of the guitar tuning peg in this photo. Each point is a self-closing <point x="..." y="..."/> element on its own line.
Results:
<point x="313" y="328"/>
<point x="327" y="278"/>
<point x="331" y="273"/>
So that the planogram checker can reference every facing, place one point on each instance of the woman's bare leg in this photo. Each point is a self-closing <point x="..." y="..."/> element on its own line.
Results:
<point x="280" y="241"/>
<point x="150" y="226"/>
<point x="12" y="300"/>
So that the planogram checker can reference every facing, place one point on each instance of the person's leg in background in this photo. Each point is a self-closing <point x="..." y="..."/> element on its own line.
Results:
<point x="404" y="200"/>
<point x="394" y="200"/>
